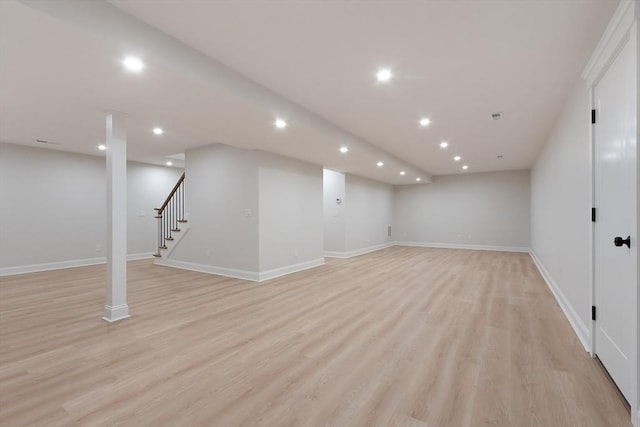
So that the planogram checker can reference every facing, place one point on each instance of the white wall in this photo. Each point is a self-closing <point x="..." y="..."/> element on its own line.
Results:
<point x="290" y="212"/>
<point x="637" y="406"/>
<point x="334" y="213"/>
<point x="221" y="194"/>
<point x="369" y="212"/>
<point x="53" y="208"/>
<point x="474" y="210"/>
<point x="561" y="203"/>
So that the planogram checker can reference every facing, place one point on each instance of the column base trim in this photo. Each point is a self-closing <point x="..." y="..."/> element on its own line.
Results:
<point x="113" y="314"/>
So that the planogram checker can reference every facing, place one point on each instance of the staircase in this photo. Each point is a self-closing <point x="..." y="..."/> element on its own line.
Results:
<point x="171" y="222"/>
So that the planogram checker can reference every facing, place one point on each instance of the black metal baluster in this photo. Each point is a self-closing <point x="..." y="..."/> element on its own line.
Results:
<point x="171" y="218"/>
<point x="159" y="233"/>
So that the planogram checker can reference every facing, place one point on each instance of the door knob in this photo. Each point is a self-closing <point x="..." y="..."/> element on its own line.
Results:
<point x="619" y="241"/>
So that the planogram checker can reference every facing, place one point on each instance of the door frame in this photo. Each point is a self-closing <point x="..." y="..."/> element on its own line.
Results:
<point x="622" y="28"/>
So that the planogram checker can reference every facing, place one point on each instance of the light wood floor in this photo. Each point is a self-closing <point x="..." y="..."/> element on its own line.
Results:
<point x="401" y="337"/>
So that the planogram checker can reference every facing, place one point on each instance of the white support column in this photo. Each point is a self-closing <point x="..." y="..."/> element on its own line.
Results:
<point x="116" y="307"/>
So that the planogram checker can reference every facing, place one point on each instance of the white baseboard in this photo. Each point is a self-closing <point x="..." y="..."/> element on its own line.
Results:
<point x="288" y="269"/>
<point x="464" y="246"/>
<point x="113" y="314"/>
<point x="357" y="252"/>
<point x="34" y="268"/>
<point x="253" y="276"/>
<point x="581" y="330"/>
<point x="211" y="269"/>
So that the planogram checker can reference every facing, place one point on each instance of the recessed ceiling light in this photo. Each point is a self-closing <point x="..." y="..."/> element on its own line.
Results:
<point x="102" y="147"/>
<point x="402" y="173"/>
<point x="418" y="179"/>
<point x="280" y="124"/>
<point x="380" y="164"/>
<point x="499" y="156"/>
<point x="425" y="122"/>
<point x="132" y="63"/>
<point x="444" y="144"/>
<point x="465" y="167"/>
<point x="158" y="131"/>
<point x="384" y="75"/>
<point x="457" y="158"/>
<point x="344" y="149"/>
<point x="168" y="163"/>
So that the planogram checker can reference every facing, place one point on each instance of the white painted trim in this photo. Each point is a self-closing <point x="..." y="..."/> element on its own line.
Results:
<point x="592" y="236"/>
<point x="357" y="252"/>
<point x="579" y="327"/>
<point x="113" y="314"/>
<point x="335" y="254"/>
<point x="177" y="237"/>
<point x="464" y="246"/>
<point x="288" y="269"/>
<point x="253" y="276"/>
<point x="613" y="36"/>
<point x="34" y="268"/>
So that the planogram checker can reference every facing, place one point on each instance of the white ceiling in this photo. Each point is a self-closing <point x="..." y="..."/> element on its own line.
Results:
<point x="313" y="63"/>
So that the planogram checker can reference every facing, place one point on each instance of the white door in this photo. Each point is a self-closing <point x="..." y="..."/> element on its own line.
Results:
<point x="615" y="193"/>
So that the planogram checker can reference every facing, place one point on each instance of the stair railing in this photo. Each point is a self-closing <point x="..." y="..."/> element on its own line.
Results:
<point x="170" y="215"/>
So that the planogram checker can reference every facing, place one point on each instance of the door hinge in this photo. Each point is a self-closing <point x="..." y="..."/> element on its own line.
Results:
<point x="593" y="116"/>
<point x="593" y="312"/>
<point x="593" y="214"/>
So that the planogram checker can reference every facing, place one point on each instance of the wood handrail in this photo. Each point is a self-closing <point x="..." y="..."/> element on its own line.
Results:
<point x="166" y="202"/>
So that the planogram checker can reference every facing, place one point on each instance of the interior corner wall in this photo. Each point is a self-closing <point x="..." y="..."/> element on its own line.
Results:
<point x="53" y="210"/>
<point x="482" y="210"/>
<point x="221" y="205"/>
<point x="369" y="213"/>
<point x="290" y="212"/>
<point x="561" y="188"/>
<point x="333" y="190"/>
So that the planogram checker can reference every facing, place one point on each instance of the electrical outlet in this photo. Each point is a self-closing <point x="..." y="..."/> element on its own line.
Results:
<point x="208" y="253"/>
<point x="98" y="247"/>
<point x="247" y="213"/>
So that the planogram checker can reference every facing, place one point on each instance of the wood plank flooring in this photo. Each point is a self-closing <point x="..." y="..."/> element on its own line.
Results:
<point x="400" y="337"/>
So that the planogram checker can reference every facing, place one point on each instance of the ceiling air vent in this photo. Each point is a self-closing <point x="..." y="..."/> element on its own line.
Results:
<point x="42" y="141"/>
<point x="496" y="116"/>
